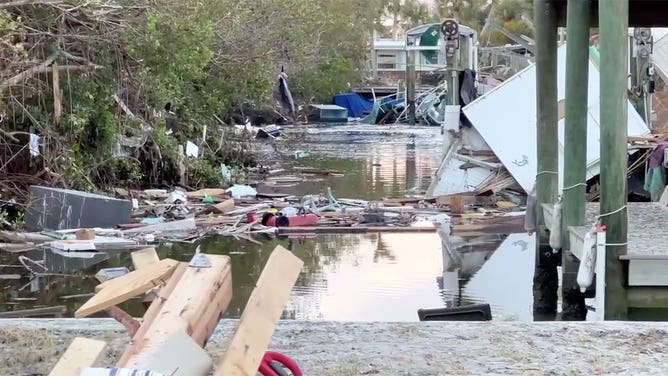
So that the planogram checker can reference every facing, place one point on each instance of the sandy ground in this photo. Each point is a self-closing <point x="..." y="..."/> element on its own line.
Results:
<point x="31" y="347"/>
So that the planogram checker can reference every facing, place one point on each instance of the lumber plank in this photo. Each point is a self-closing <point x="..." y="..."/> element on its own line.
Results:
<point x="81" y="353"/>
<point x="261" y="314"/>
<point x="144" y="257"/>
<point x="128" y="286"/>
<point x="211" y="316"/>
<point x="185" y="306"/>
<point x="152" y="312"/>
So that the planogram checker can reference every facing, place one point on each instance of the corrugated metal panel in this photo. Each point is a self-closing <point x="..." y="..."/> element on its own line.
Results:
<point x="506" y="118"/>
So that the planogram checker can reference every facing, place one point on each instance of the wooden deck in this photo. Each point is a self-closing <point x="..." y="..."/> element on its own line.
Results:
<point x="647" y="253"/>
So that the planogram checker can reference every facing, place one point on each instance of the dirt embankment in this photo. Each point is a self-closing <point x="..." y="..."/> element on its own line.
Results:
<point x="31" y="347"/>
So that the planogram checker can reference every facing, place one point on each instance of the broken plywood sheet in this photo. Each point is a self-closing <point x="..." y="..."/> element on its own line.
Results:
<point x="144" y="258"/>
<point x="82" y="353"/>
<point x="186" y="306"/>
<point x="264" y="308"/>
<point x="120" y="289"/>
<point x="506" y="119"/>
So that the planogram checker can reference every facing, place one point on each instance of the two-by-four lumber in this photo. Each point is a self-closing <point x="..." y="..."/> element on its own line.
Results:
<point x="152" y="312"/>
<point x="82" y="353"/>
<point x="185" y="307"/>
<point x="128" y="286"/>
<point x="262" y="312"/>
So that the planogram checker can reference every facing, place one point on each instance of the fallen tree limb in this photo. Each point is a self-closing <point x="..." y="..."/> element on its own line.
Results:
<point x="20" y="3"/>
<point x="45" y="67"/>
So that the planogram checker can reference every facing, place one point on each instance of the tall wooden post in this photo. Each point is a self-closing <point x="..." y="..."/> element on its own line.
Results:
<point x="575" y="150"/>
<point x="546" y="277"/>
<point x="410" y="85"/>
<point x="613" y="21"/>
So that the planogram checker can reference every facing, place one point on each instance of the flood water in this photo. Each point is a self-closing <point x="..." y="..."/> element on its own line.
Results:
<point x="355" y="277"/>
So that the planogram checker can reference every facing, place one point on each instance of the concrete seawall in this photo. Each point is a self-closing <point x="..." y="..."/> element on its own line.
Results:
<point x="32" y="346"/>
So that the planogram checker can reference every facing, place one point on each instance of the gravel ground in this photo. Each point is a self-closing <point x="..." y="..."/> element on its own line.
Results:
<point x="31" y="347"/>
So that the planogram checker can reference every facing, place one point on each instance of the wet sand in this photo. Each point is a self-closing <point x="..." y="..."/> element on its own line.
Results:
<point x="342" y="349"/>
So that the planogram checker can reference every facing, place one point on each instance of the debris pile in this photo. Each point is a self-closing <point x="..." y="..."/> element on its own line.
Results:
<point x="186" y="301"/>
<point x="154" y="216"/>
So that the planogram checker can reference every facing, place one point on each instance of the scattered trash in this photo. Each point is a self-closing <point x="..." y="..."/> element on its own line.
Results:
<point x="106" y="274"/>
<point x="226" y="173"/>
<point x="238" y="191"/>
<point x="152" y="220"/>
<point x="302" y="154"/>
<point x="176" y="197"/>
<point x="192" y="150"/>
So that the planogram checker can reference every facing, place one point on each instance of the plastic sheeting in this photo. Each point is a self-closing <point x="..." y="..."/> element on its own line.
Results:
<point x="357" y="106"/>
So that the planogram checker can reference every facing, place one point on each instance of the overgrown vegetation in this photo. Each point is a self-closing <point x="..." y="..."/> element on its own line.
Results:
<point x="91" y="78"/>
<point x="87" y="76"/>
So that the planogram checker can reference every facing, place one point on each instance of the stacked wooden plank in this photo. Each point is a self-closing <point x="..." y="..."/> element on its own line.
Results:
<point x="188" y="301"/>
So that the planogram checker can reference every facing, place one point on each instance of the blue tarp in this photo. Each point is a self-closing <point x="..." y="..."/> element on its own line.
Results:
<point x="357" y="106"/>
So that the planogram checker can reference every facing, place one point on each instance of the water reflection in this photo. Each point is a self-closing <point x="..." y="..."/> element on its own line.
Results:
<point x="378" y="162"/>
<point x="357" y="277"/>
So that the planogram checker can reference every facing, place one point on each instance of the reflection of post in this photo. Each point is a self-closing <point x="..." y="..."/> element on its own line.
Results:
<point x="411" y="165"/>
<point x="546" y="277"/>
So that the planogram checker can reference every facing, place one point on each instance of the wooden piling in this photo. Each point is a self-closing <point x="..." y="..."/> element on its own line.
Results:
<point x="613" y="21"/>
<point x="575" y="144"/>
<point x="545" y="20"/>
<point x="410" y="85"/>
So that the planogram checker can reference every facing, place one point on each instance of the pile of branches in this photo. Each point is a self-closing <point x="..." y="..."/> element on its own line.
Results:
<point x="44" y="46"/>
<point x="68" y="78"/>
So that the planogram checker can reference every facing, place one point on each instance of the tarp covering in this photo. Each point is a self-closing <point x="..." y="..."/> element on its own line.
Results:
<point x="356" y="104"/>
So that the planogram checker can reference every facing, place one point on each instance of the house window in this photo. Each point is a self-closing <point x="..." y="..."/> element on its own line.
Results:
<point x="387" y="61"/>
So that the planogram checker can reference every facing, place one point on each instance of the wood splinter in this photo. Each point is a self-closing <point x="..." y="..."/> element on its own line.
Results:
<point x="124" y="318"/>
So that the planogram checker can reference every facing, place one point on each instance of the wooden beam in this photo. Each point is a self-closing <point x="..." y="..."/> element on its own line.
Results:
<point x="82" y="353"/>
<point x="209" y="320"/>
<point x="575" y="144"/>
<point x="153" y="311"/>
<point x="261" y="314"/>
<point x="185" y="306"/>
<point x="124" y="318"/>
<point x="613" y="15"/>
<point x="128" y="286"/>
<point x="547" y="169"/>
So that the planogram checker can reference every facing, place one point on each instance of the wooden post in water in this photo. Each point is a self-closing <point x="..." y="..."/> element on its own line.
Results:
<point x="574" y="193"/>
<point x="546" y="277"/>
<point x="613" y="21"/>
<point x="410" y="85"/>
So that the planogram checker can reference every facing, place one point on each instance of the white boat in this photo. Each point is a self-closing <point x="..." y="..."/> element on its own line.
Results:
<point x="504" y="123"/>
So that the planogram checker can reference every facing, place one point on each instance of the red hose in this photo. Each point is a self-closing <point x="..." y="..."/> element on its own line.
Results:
<point x="271" y="356"/>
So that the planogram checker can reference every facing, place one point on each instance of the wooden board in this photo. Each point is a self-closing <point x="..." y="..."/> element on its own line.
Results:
<point x="153" y="311"/>
<point x="211" y="316"/>
<point x="128" y="286"/>
<point x="261" y="314"/>
<point x="82" y="353"/>
<point x="185" y="307"/>
<point x="144" y="257"/>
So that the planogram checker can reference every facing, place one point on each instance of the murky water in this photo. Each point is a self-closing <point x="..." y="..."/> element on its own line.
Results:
<point x="369" y="277"/>
<point x="377" y="162"/>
